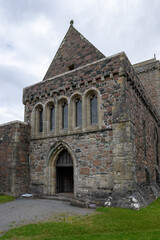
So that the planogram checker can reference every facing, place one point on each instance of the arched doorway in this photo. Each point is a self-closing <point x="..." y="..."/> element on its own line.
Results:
<point x="64" y="173"/>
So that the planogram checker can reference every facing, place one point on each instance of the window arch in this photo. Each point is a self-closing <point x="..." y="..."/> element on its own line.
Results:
<point x="92" y="108"/>
<point x="39" y="118"/>
<point x="76" y="111"/>
<point x="50" y="116"/>
<point x="63" y="113"/>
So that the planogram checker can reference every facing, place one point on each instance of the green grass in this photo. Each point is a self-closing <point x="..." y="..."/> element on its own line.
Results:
<point x="105" y="224"/>
<point x="5" y="198"/>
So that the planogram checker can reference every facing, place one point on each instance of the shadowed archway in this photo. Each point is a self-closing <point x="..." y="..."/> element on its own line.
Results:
<point x="61" y="169"/>
<point x="64" y="173"/>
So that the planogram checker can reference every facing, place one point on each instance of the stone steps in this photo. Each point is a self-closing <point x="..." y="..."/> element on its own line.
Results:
<point x="59" y="197"/>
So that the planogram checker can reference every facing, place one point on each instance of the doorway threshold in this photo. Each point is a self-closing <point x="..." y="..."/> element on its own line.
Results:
<point x="67" y="197"/>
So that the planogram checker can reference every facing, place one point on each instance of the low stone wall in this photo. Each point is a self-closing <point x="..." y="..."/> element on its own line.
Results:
<point x="14" y="158"/>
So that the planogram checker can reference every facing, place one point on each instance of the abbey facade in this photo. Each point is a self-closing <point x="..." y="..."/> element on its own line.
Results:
<point x="91" y="129"/>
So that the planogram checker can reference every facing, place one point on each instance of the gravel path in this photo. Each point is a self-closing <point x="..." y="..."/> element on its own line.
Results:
<point x="25" y="211"/>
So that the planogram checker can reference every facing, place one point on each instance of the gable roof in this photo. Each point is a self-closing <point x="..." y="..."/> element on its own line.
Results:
<point x="75" y="51"/>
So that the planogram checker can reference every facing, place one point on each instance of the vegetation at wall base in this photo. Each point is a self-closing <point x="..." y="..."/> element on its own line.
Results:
<point x="105" y="224"/>
<point x="5" y="198"/>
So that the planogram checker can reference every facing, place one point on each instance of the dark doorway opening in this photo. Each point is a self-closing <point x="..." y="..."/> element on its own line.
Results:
<point x="64" y="179"/>
<point x="64" y="173"/>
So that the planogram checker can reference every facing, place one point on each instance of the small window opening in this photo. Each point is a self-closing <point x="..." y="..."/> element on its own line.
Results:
<point x="78" y="113"/>
<point x="93" y="110"/>
<point x="64" y="116"/>
<point x="71" y="67"/>
<point x="52" y="118"/>
<point x="40" y="120"/>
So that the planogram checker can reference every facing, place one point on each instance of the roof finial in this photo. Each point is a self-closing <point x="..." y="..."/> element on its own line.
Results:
<point x="71" y="22"/>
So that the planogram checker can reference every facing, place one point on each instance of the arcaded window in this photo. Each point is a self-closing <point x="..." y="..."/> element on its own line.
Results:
<point x="40" y="120"/>
<point x="64" y="115"/>
<point x="78" y="103"/>
<point x="75" y="111"/>
<point x="37" y="119"/>
<point x="93" y="109"/>
<point x="52" y="118"/>
<point x="92" y="117"/>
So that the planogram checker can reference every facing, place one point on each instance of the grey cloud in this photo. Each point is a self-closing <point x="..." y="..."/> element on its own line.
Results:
<point x="32" y="30"/>
<point x="13" y="80"/>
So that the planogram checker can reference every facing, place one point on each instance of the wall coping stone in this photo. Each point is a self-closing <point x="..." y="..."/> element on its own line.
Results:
<point x="13" y="122"/>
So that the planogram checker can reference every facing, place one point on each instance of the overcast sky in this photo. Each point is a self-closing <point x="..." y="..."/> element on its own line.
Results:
<point x="32" y="30"/>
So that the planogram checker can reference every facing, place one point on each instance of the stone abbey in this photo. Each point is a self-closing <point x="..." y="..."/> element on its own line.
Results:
<point x="91" y="129"/>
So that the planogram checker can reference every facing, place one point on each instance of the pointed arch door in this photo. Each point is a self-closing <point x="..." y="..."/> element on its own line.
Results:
<point x="64" y="173"/>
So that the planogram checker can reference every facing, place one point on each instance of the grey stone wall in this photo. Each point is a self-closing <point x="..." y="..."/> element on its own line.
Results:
<point x="14" y="162"/>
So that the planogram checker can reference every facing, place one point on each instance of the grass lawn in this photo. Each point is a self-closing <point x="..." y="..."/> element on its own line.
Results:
<point x="105" y="224"/>
<point x="5" y="198"/>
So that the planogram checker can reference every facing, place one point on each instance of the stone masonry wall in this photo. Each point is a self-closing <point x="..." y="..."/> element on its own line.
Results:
<point x="149" y="74"/>
<point x="145" y="123"/>
<point x="97" y="75"/>
<point x="93" y="148"/>
<point x="139" y="115"/>
<point x="93" y="167"/>
<point x="14" y="163"/>
<point x="109" y="161"/>
<point x="74" y="50"/>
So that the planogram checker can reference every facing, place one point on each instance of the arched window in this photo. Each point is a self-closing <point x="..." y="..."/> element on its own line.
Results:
<point x="92" y="117"/>
<point x="78" y="112"/>
<point x="64" y="115"/>
<point x="52" y="118"/>
<point x="93" y="110"/>
<point x="37" y="118"/>
<point x="40" y="125"/>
